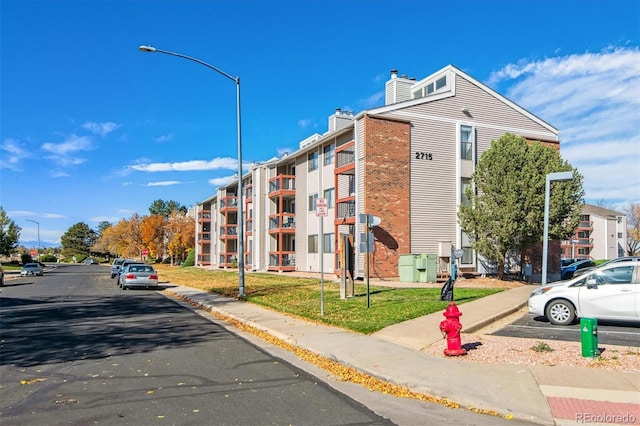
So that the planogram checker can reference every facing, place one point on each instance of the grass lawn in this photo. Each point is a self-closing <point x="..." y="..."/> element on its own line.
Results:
<point x="301" y="297"/>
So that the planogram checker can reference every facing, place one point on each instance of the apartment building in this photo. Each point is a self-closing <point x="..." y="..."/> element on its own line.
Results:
<point x="407" y="162"/>
<point x="601" y="234"/>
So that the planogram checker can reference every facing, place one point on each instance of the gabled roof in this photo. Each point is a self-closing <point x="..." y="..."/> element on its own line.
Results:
<point x="452" y="69"/>
<point x="600" y="211"/>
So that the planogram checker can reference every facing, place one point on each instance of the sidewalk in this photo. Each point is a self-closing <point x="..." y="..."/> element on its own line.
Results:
<point x="540" y="394"/>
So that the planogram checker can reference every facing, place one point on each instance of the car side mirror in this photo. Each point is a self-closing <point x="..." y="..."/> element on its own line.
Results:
<point x="592" y="283"/>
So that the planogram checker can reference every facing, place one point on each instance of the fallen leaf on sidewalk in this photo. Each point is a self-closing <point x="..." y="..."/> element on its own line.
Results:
<point x="28" y="382"/>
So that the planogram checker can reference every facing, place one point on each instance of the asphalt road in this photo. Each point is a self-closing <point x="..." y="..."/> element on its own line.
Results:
<point x="535" y="327"/>
<point x="75" y="349"/>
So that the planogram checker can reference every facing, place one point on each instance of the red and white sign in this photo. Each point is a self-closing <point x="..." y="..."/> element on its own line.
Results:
<point x="34" y="252"/>
<point x="145" y="252"/>
<point x="322" y="207"/>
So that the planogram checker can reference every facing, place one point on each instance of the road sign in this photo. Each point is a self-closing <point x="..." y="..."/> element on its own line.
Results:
<point x="458" y="253"/>
<point x="145" y="252"/>
<point x="322" y="207"/>
<point x="34" y="252"/>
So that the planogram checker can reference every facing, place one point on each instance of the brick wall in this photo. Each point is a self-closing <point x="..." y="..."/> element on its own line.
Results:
<point x="387" y="191"/>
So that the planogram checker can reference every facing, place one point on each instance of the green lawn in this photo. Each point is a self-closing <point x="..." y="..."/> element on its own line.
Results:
<point x="301" y="297"/>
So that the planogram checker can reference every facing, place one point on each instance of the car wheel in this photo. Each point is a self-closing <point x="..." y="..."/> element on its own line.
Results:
<point x="560" y="312"/>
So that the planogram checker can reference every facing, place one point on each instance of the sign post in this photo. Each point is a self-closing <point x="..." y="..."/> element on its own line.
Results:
<point x="322" y="211"/>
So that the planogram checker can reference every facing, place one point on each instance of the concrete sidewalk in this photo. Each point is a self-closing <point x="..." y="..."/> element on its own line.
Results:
<point x="539" y="394"/>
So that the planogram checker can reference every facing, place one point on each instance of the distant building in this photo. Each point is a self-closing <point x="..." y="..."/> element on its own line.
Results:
<point x="407" y="162"/>
<point x="601" y="234"/>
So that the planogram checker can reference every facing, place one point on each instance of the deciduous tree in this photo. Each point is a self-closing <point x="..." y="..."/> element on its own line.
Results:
<point x="633" y="229"/>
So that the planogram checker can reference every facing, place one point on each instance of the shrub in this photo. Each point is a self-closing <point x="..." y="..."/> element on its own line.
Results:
<point x="191" y="259"/>
<point x="26" y="258"/>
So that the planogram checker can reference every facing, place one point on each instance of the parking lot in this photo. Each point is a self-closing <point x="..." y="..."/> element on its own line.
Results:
<point x="534" y="327"/>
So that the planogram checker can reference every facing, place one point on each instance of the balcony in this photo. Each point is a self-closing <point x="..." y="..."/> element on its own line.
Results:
<point x="345" y="159"/>
<point x="285" y="222"/>
<point x="282" y="185"/>
<point x="228" y="231"/>
<point x="204" y="216"/>
<point x="249" y="192"/>
<point x="204" y="237"/>
<point x="585" y="225"/>
<point x="346" y="208"/>
<point x="228" y="203"/>
<point x="282" y="261"/>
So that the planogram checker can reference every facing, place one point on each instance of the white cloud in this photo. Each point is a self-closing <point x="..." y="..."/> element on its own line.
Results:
<point x="72" y="144"/>
<point x="164" y="138"/>
<point x="188" y="166"/>
<point x="15" y="153"/>
<point x="164" y="183"/>
<point x="593" y="99"/>
<point x="24" y="213"/>
<point x="110" y="219"/>
<point x="222" y="181"/>
<point x="305" y="123"/>
<point x="101" y="129"/>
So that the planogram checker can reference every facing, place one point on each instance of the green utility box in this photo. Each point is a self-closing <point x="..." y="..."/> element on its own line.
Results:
<point x="407" y="268"/>
<point x="589" y="337"/>
<point x="426" y="264"/>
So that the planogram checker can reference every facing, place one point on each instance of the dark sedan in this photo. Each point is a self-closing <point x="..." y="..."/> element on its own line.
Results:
<point x="568" y="271"/>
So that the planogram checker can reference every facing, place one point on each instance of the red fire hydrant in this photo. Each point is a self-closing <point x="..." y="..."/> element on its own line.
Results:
<point x="451" y="330"/>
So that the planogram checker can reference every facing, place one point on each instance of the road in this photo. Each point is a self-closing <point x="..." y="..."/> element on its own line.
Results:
<point x="75" y="349"/>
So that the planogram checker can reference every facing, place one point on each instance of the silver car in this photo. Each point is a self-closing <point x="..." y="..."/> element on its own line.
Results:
<point x="137" y="275"/>
<point x="31" y="269"/>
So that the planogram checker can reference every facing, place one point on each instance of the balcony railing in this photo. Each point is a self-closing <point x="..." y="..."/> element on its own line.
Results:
<point x="204" y="236"/>
<point x="228" y="203"/>
<point x="204" y="216"/>
<point x="346" y="209"/>
<point x="283" y="259"/>
<point x="285" y="221"/>
<point x="282" y="183"/>
<point x="229" y="230"/>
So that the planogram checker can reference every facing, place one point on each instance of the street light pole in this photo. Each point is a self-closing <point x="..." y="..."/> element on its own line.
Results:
<point x="37" y="223"/>
<point x="236" y="80"/>
<point x="551" y="177"/>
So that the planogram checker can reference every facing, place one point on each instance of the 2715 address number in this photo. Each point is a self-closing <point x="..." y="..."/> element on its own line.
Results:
<point x="420" y="155"/>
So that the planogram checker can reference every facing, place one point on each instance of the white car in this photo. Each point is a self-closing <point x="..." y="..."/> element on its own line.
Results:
<point x="31" y="269"/>
<point x="610" y="292"/>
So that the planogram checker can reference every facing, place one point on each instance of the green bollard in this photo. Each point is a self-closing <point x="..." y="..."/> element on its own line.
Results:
<point x="589" y="337"/>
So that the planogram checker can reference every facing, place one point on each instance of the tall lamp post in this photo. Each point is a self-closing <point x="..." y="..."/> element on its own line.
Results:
<point x="551" y="177"/>
<point x="240" y="206"/>
<point x="37" y="223"/>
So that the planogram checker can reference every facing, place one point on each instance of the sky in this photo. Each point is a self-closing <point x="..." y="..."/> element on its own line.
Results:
<point x="92" y="129"/>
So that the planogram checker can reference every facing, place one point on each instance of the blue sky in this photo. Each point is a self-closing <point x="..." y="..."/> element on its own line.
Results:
<point x="92" y="129"/>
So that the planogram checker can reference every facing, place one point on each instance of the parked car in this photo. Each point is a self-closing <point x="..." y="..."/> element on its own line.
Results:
<point x="567" y="272"/>
<point x="138" y="275"/>
<point x="115" y="266"/>
<point x="610" y="292"/>
<point x="567" y="262"/>
<point x="31" y="269"/>
<point x="125" y="263"/>
<point x="90" y="261"/>
<point x="591" y="268"/>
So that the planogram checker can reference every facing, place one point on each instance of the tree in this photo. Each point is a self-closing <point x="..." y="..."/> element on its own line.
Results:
<point x="180" y="235"/>
<point x="633" y="229"/>
<point x="164" y="208"/>
<point x="506" y="201"/>
<point x="102" y="226"/>
<point x="152" y="231"/>
<point x="9" y="234"/>
<point x="79" y="239"/>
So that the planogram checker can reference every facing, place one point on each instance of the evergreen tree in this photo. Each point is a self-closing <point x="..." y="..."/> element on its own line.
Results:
<point x="78" y="239"/>
<point x="9" y="234"/>
<point x="506" y="209"/>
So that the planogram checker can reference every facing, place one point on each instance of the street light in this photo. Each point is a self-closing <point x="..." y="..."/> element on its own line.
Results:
<point x="551" y="177"/>
<point x="240" y="207"/>
<point x="37" y="223"/>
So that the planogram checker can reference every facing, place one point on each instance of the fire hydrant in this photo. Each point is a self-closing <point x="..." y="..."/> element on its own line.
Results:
<point x="451" y="330"/>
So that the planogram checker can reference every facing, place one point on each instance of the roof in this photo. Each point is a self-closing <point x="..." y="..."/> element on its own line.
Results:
<point x="600" y="211"/>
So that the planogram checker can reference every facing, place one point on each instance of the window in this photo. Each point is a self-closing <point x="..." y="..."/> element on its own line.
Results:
<point x="329" y="195"/>
<point x="328" y="152"/>
<point x="466" y="143"/>
<point x="312" y="202"/>
<point x="313" y="161"/>
<point x="328" y="245"/>
<point x="467" y="256"/>
<point x="464" y="184"/>
<point x="312" y="244"/>
<point x="441" y="82"/>
<point x="619" y="234"/>
<point x="617" y="275"/>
